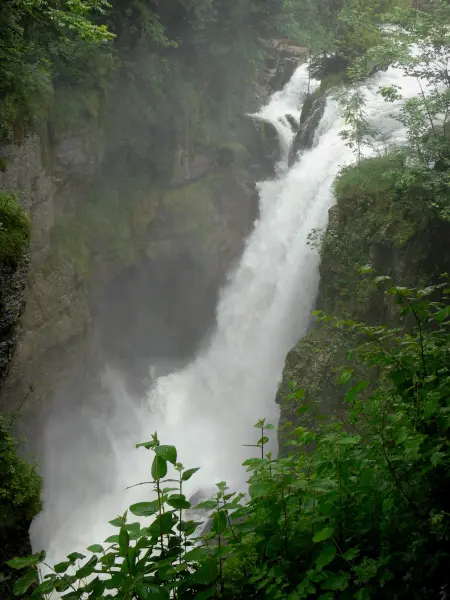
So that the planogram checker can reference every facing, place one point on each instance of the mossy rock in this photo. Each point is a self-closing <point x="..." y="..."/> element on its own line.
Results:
<point x="233" y="154"/>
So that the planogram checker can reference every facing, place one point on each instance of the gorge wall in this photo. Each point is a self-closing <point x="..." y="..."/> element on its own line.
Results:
<point x="126" y="258"/>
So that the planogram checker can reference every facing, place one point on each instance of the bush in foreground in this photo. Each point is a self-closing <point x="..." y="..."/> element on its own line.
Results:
<point x="357" y="510"/>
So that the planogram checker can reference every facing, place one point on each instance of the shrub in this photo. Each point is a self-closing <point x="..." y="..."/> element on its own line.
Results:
<point x="14" y="229"/>
<point x="19" y="483"/>
<point x="358" y="510"/>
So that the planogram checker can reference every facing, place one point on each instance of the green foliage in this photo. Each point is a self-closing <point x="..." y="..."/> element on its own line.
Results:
<point x="19" y="483"/>
<point x="359" y="509"/>
<point x="337" y="32"/>
<point x="358" y="132"/>
<point x="387" y="210"/>
<point x="14" y="229"/>
<point x="420" y="46"/>
<point x="37" y="35"/>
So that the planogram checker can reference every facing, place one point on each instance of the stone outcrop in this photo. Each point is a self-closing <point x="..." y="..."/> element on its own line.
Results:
<point x="312" y="113"/>
<point x="283" y="59"/>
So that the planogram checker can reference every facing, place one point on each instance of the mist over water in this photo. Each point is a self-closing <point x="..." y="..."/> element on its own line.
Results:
<point x="207" y="409"/>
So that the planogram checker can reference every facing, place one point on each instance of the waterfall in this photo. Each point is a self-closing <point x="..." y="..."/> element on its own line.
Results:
<point x="207" y="409"/>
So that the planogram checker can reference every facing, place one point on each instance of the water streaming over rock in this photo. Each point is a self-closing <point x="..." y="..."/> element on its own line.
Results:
<point x="207" y="409"/>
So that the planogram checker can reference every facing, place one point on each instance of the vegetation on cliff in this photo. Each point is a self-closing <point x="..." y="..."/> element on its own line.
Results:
<point x="19" y="484"/>
<point x="174" y="65"/>
<point x="20" y="502"/>
<point x="14" y="230"/>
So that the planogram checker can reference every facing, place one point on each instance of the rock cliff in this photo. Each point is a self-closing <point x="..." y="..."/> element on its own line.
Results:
<point x="123" y="268"/>
<point x="369" y="226"/>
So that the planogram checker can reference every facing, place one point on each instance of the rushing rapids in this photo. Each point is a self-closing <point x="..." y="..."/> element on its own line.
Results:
<point x="207" y="409"/>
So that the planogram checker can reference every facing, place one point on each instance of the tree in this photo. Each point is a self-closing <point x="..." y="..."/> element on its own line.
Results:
<point x="420" y="46"/>
<point x="32" y="33"/>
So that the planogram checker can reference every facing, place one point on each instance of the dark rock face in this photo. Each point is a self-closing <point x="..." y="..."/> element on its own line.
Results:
<point x="261" y="140"/>
<point x="312" y="113"/>
<point x="282" y="64"/>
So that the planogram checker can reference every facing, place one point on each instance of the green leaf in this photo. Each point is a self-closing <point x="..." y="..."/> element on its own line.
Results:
<point x="87" y="569"/>
<point x="298" y="394"/>
<point x="159" y="468"/>
<point x="351" y="554"/>
<point x="196" y="555"/>
<point x="366" y="269"/>
<point x="178" y="501"/>
<point x="166" y="573"/>
<point x="95" y="548"/>
<point x="337" y="581"/>
<point x="188" y="527"/>
<point x="143" y="593"/>
<point x="207" y="573"/>
<point x="437" y="458"/>
<point x="75" y="556"/>
<point x="351" y="395"/>
<point x="113" y="539"/>
<point x="345" y="376"/>
<point x="207" y="504"/>
<point x="205" y="594"/>
<point x="124" y="541"/>
<point x="46" y="587"/>
<point x="116" y="522"/>
<point x="109" y="559"/>
<point x="147" y="445"/>
<point x="22" y="584"/>
<point x="366" y="570"/>
<point x="443" y="314"/>
<point x="326" y="556"/>
<point x="323" y="534"/>
<point x="350" y="440"/>
<point x="26" y="561"/>
<point x="132" y="527"/>
<point x="62" y="566"/>
<point x="188" y="473"/>
<point x="258" y="489"/>
<point x="162" y="524"/>
<point x="302" y="410"/>
<point x="219" y="522"/>
<point x="145" y="509"/>
<point x="167" y="453"/>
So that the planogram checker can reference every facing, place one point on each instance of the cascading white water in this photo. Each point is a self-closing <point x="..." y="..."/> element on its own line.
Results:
<point x="208" y="408"/>
<point x="283" y="104"/>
